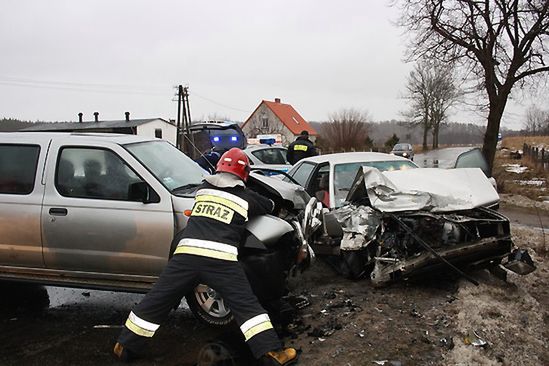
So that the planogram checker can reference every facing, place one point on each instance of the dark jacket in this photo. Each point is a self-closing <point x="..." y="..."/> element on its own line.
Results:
<point x="301" y="148"/>
<point x="219" y="213"/>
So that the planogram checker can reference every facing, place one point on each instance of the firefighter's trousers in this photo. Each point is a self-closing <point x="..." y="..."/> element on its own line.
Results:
<point x="181" y="275"/>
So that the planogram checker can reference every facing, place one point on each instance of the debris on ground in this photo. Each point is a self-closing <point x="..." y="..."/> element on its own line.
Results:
<point x="474" y="339"/>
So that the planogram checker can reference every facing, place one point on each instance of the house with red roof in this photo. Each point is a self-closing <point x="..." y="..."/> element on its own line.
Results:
<point x="277" y="118"/>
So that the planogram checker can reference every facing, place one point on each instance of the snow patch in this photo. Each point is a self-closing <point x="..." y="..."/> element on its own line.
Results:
<point x="515" y="168"/>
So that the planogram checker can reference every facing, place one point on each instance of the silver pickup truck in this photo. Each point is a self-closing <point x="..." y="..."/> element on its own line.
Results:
<point x="90" y="210"/>
<point x="102" y="210"/>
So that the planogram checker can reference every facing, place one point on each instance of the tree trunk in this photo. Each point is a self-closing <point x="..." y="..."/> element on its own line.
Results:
<point x="435" y="136"/>
<point x="425" y="130"/>
<point x="497" y="106"/>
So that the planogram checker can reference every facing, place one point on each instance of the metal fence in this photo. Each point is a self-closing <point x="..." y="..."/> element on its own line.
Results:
<point x="536" y="155"/>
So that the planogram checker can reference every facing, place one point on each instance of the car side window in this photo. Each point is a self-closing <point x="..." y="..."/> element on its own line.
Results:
<point x="270" y="156"/>
<point x="94" y="173"/>
<point x="473" y="159"/>
<point x="302" y="173"/>
<point x="18" y="168"/>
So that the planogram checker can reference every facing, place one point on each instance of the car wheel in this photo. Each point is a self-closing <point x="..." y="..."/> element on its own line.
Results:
<point x="208" y="306"/>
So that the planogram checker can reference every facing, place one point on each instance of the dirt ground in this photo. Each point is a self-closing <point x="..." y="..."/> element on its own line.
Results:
<point x="431" y="322"/>
<point x="350" y="323"/>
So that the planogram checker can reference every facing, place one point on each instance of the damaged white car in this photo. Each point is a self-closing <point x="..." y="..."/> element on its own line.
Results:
<point x="399" y="224"/>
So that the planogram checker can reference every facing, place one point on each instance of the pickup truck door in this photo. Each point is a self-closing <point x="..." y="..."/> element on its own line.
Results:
<point x="90" y="222"/>
<point x="21" y="193"/>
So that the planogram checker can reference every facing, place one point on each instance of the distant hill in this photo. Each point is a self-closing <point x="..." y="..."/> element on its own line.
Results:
<point x="450" y="134"/>
<point x="11" y="124"/>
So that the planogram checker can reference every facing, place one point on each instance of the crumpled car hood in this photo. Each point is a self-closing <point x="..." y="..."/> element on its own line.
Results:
<point x="427" y="189"/>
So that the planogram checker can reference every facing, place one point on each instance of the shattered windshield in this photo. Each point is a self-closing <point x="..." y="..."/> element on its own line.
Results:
<point x="175" y="170"/>
<point x="344" y="175"/>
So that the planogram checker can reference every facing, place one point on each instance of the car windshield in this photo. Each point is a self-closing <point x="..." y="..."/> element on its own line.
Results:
<point x="175" y="170"/>
<point x="206" y="137"/>
<point x="344" y="174"/>
<point x="402" y="147"/>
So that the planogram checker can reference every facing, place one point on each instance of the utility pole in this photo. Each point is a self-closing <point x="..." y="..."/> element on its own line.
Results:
<point x="178" y="126"/>
<point x="188" y="143"/>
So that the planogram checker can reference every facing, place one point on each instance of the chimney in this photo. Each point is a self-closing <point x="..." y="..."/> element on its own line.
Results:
<point x="80" y="116"/>
<point x="127" y="116"/>
<point x="277" y="100"/>
<point x="96" y="115"/>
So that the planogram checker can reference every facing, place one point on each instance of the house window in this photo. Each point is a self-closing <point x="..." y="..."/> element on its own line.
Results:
<point x="158" y="133"/>
<point x="264" y="121"/>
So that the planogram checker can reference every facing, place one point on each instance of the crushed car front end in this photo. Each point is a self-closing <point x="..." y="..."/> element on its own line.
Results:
<point x="400" y="225"/>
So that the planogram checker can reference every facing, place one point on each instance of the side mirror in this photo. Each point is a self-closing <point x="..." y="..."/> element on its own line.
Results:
<point x="142" y="192"/>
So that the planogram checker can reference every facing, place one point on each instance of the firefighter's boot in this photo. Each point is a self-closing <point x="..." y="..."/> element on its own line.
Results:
<point x="283" y="357"/>
<point x="123" y="354"/>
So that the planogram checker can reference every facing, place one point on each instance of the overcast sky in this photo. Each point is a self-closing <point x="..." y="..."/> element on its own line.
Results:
<point x="59" y="58"/>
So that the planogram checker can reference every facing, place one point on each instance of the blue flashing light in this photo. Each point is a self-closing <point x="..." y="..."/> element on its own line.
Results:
<point x="216" y="139"/>
<point x="234" y="138"/>
<point x="269" y="141"/>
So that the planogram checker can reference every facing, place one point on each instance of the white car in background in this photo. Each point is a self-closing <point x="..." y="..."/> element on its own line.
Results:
<point x="266" y="158"/>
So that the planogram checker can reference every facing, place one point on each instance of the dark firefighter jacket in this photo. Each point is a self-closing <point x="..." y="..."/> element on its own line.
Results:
<point x="301" y="148"/>
<point x="217" y="222"/>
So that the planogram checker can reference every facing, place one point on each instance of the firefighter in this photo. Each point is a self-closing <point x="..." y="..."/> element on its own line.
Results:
<point x="207" y="253"/>
<point x="301" y="148"/>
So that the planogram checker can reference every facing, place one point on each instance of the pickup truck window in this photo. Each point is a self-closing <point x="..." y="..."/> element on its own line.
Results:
<point x="18" y="168"/>
<point x="93" y="173"/>
<point x="175" y="170"/>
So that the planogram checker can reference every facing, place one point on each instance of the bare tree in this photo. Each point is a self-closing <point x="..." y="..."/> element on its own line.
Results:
<point x="503" y="43"/>
<point x="537" y="120"/>
<point x="346" y="130"/>
<point x="418" y="93"/>
<point x="444" y="95"/>
<point x="431" y="91"/>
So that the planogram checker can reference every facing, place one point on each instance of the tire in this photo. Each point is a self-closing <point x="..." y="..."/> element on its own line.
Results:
<point x="208" y="306"/>
<point x="22" y="298"/>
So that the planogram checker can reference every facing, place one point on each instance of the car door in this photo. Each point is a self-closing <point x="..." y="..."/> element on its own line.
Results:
<point x="318" y="184"/>
<point x="301" y="173"/>
<point x="90" y="219"/>
<point x="21" y="193"/>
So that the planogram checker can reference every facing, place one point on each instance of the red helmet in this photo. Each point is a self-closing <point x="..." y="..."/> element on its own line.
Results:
<point x="236" y="162"/>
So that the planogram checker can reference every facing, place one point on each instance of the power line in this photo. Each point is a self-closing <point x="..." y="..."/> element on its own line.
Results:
<point x="70" y="83"/>
<point x="80" y="89"/>
<point x="220" y="104"/>
<point x="100" y="88"/>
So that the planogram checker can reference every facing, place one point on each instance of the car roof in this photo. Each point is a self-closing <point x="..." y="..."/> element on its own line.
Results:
<point x="263" y="146"/>
<point x="116" y="138"/>
<point x="353" y="157"/>
<point x="443" y="158"/>
<point x="403" y="144"/>
<point x="213" y="125"/>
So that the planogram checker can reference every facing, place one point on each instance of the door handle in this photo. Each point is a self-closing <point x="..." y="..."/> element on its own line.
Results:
<point x="58" y="211"/>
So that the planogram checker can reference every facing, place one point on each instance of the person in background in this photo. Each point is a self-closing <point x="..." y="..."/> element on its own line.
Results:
<point x="301" y="148"/>
<point x="208" y="161"/>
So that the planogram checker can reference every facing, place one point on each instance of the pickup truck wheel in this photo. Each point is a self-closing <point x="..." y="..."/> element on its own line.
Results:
<point x="208" y="306"/>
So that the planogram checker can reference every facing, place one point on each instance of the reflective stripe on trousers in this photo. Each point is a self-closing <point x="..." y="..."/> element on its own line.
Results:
<point x="141" y="326"/>
<point x="206" y="248"/>
<point x="256" y="325"/>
